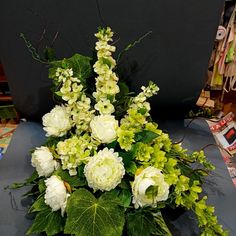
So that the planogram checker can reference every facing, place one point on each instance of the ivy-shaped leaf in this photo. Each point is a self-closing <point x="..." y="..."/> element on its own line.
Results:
<point x="145" y="223"/>
<point x="47" y="221"/>
<point x="80" y="65"/>
<point x="140" y="223"/>
<point x="87" y="215"/>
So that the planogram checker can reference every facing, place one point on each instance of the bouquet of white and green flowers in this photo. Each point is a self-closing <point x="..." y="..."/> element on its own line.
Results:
<point x="106" y="168"/>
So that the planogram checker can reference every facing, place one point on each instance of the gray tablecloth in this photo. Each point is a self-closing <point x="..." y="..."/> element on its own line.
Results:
<point x="15" y="167"/>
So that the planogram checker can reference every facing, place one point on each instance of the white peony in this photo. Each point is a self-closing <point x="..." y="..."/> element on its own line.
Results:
<point x="57" y="122"/>
<point x="105" y="170"/>
<point x="104" y="128"/>
<point x="42" y="160"/>
<point x="149" y="187"/>
<point x="56" y="195"/>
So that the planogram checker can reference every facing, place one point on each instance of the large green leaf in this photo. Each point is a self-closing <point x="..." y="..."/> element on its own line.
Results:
<point x="145" y="223"/>
<point x="47" y="221"/>
<point x="79" y="63"/>
<point x="140" y="223"/>
<point x="94" y="217"/>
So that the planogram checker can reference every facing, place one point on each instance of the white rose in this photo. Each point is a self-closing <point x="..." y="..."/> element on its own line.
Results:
<point x="149" y="187"/>
<point x="57" y="122"/>
<point x="104" y="128"/>
<point x="42" y="160"/>
<point x="105" y="170"/>
<point x="56" y="195"/>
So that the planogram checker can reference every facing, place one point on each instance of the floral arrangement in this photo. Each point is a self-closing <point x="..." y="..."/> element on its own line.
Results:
<point x="106" y="168"/>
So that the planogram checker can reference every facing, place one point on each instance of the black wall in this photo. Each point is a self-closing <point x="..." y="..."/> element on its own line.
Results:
<point x="175" y="55"/>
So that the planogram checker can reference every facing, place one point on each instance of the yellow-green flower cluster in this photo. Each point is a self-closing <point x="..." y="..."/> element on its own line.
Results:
<point x="75" y="151"/>
<point x="72" y="92"/>
<point x="139" y="102"/>
<point x="106" y="81"/>
<point x="201" y="158"/>
<point x="71" y="87"/>
<point x="207" y="220"/>
<point x="187" y="195"/>
<point x="125" y="138"/>
<point x="136" y="117"/>
<point x="81" y="113"/>
<point x="63" y="74"/>
<point x="143" y="152"/>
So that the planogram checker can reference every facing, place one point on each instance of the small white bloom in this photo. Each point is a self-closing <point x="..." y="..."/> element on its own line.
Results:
<point x="42" y="160"/>
<point x="109" y="87"/>
<point x="149" y="187"/>
<point x="104" y="128"/>
<point x="57" y="122"/>
<point x="105" y="107"/>
<point x="105" y="170"/>
<point x="56" y="195"/>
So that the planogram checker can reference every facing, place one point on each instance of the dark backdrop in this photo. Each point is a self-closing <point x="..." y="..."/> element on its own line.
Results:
<point x="175" y="55"/>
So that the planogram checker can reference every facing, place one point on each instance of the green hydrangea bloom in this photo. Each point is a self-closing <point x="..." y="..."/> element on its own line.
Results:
<point x="143" y="152"/>
<point x="125" y="138"/>
<point x="158" y="157"/>
<point x="75" y="151"/>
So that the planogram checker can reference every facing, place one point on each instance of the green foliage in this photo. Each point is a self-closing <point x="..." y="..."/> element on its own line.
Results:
<point x="73" y="181"/>
<point x="127" y="157"/>
<point x="33" y="177"/>
<point x="49" y="54"/>
<point x="51" y="142"/>
<point x="29" y="181"/>
<point x="112" y="144"/>
<point x="123" y="196"/>
<point x="145" y="136"/>
<point x="131" y="45"/>
<point x="42" y="185"/>
<point x="145" y="223"/>
<point x="122" y="100"/>
<point x="90" y="216"/>
<point x="206" y="112"/>
<point x="32" y="49"/>
<point x="131" y="168"/>
<point x="39" y="205"/>
<point x="80" y="65"/>
<point x="48" y="221"/>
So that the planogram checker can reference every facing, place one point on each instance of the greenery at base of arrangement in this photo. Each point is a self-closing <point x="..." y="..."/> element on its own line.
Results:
<point x="113" y="211"/>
